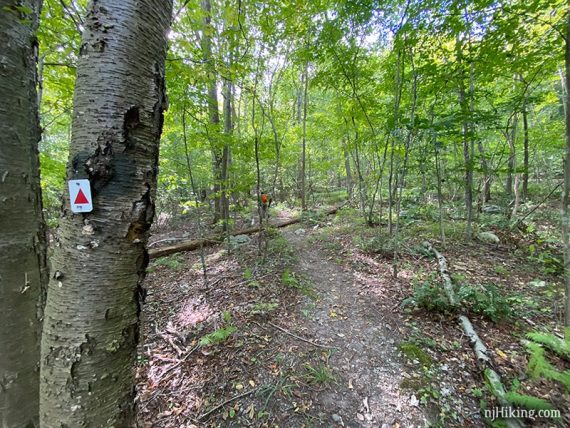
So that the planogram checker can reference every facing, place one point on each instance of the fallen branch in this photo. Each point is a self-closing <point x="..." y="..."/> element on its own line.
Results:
<point x="479" y="348"/>
<point x="191" y="245"/>
<point x="476" y="343"/>
<point x="520" y="220"/>
<point x="300" y="338"/>
<point x="168" y="370"/>
<point x="447" y="283"/>
<point x="219" y="406"/>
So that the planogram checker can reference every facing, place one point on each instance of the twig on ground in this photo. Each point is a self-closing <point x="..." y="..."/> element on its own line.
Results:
<point x="533" y="324"/>
<point x="219" y="406"/>
<point x="178" y="363"/>
<point x="171" y="342"/>
<point x="300" y="338"/>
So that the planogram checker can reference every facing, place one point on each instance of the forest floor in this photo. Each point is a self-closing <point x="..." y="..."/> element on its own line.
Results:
<point x="318" y="332"/>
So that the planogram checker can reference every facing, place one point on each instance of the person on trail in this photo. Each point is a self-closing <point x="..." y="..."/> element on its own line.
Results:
<point x="265" y="204"/>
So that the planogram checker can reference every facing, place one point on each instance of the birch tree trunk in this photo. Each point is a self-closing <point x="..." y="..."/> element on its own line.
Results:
<point x="91" y="326"/>
<point x="23" y="271"/>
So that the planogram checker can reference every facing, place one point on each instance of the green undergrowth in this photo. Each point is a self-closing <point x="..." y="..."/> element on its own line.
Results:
<point x="173" y="262"/>
<point x="414" y="353"/>
<point x="481" y="299"/>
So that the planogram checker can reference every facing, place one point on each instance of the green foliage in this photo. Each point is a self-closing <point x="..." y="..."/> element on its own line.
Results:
<point x="319" y="375"/>
<point x="413" y="352"/>
<point x="528" y="401"/>
<point x="174" y="262"/>
<point x="550" y="262"/>
<point x="279" y="248"/>
<point x="381" y="245"/>
<point x="559" y="346"/>
<point x="484" y="300"/>
<point x="429" y="294"/>
<point x="263" y="308"/>
<point x="291" y="279"/>
<point x="539" y="366"/>
<point x="218" y="336"/>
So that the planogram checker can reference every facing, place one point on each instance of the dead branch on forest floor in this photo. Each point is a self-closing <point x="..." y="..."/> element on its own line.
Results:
<point x="481" y="352"/>
<point x="214" y="240"/>
<point x="318" y="345"/>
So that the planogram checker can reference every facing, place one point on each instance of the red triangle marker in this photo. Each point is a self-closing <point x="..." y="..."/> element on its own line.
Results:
<point x="80" y="198"/>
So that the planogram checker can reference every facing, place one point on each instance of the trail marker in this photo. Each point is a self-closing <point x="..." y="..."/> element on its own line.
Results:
<point x="80" y="196"/>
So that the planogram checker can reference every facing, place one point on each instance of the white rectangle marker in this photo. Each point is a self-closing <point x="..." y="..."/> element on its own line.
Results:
<point x="80" y="196"/>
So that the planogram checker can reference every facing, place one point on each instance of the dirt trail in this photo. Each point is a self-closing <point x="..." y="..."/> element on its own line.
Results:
<point x="367" y="365"/>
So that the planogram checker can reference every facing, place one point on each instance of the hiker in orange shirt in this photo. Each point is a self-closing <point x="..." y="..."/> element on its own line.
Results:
<point x="265" y="204"/>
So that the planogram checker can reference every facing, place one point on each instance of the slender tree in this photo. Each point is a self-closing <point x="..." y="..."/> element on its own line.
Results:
<point x="566" y="190"/>
<point x="305" y="83"/>
<point x="22" y="247"/>
<point x="91" y="326"/>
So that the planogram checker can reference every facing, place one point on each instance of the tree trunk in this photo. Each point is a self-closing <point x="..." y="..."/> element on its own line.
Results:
<point x="228" y="131"/>
<point x="213" y="109"/>
<point x="566" y="191"/>
<point x="23" y="272"/>
<point x="467" y="153"/>
<point x="486" y="192"/>
<point x="525" y="159"/>
<point x="91" y="326"/>
<point x="304" y="143"/>
<point x="512" y="162"/>
<point x="348" y="170"/>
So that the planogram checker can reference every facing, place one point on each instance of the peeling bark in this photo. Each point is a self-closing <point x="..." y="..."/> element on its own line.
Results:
<point x="23" y="272"/>
<point x="91" y="326"/>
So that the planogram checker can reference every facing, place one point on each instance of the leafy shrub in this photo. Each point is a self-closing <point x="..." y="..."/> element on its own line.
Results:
<point x="485" y="300"/>
<point x="218" y="336"/>
<point x="279" y="247"/>
<point x="174" y="262"/>
<point x="551" y="263"/>
<point x="429" y="295"/>
<point x="381" y="245"/>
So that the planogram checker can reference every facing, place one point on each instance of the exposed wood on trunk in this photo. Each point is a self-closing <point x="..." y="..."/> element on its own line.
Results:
<point x="213" y="240"/>
<point x="23" y="273"/>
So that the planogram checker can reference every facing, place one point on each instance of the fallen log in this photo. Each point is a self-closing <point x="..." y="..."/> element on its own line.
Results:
<point x="480" y="350"/>
<point x="447" y="283"/>
<point x="190" y="245"/>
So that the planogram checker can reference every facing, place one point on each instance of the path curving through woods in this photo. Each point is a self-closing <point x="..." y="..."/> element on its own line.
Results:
<point x="366" y="357"/>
